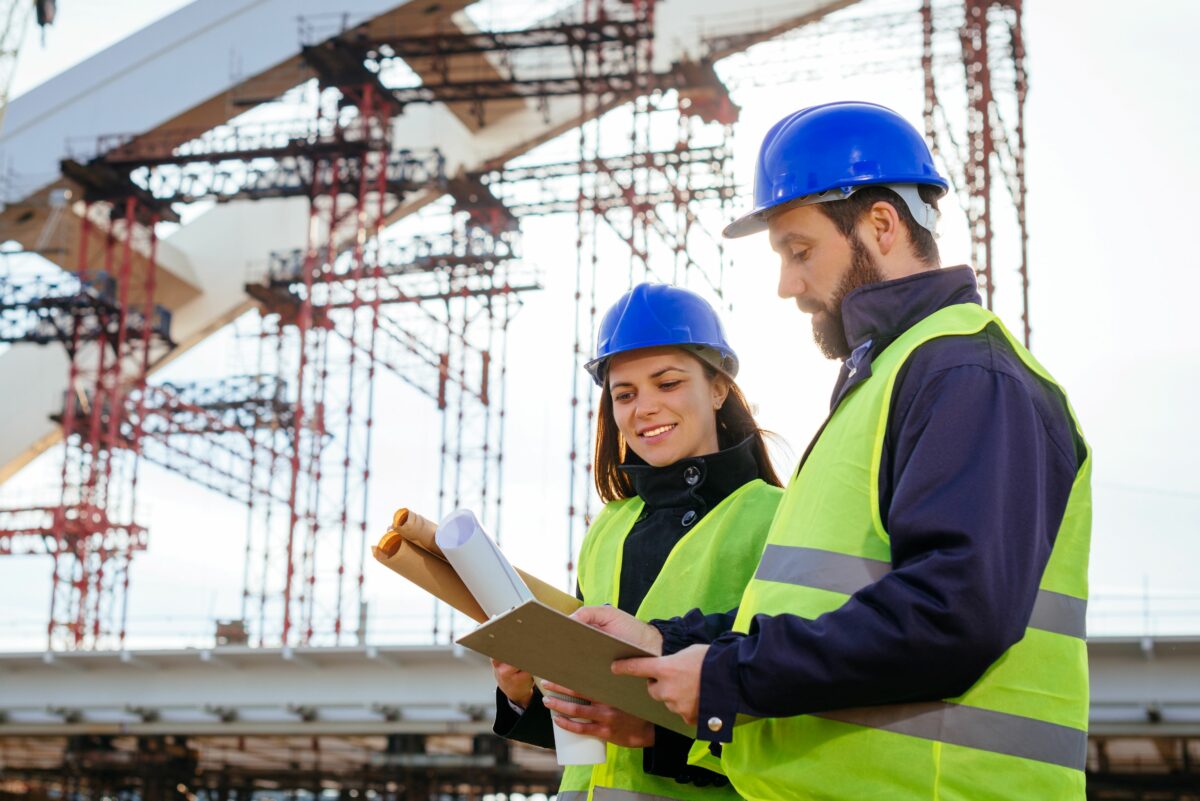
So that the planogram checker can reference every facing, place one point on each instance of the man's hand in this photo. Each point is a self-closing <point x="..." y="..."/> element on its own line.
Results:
<point x="516" y="684"/>
<point x="600" y="720"/>
<point x="674" y="680"/>
<point x="624" y="626"/>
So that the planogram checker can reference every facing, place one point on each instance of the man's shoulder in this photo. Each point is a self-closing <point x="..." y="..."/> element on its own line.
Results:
<point x="986" y="356"/>
<point x="987" y="349"/>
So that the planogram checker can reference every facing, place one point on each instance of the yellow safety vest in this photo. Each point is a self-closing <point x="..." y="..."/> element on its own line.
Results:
<point x="1020" y="733"/>
<point x="707" y="569"/>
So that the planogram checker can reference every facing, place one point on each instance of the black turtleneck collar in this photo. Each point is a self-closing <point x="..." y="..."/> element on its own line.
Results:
<point x="698" y="482"/>
<point x="881" y="312"/>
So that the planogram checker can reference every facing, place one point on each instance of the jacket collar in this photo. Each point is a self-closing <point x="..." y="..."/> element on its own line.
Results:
<point x="698" y="482"/>
<point x="881" y="312"/>
<point x="874" y="316"/>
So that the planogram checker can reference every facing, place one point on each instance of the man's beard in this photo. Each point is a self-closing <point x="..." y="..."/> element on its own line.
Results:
<point x="828" y="330"/>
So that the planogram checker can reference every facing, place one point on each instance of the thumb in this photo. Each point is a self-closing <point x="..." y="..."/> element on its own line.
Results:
<point x="645" y="667"/>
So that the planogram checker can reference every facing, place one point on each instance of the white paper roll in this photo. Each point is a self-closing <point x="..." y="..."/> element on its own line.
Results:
<point x="480" y="564"/>
<point x="571" y="748"/>
<point x="497" y="587"/>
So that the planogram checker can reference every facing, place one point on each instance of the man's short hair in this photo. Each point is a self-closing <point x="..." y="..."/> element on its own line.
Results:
<point x="845" y="214"/>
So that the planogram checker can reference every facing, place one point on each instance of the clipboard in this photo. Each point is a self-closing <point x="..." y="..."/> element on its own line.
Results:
<point x="548" y="644"/>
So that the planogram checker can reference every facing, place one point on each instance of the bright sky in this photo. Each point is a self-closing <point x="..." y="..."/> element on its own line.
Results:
<point x="1110" y="134"/>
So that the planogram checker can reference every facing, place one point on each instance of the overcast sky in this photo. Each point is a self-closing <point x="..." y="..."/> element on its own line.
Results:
<point x="1112" y="125"/>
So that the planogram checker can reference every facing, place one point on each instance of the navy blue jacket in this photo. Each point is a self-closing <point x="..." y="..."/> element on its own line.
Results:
<point x="977" y="466"/>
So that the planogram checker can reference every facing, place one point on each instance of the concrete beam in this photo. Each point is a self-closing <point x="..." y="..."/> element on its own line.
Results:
<point x="428" y="689"/>
<point x="244" y="690"/>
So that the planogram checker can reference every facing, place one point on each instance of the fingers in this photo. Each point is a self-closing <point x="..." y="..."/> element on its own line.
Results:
<point x="595" y="616"/>
<point x="597" y="712"/>
<point x="646" y="667"/>
<point x="591" y="729"/>
<point x="508" y="671"/>
<point x="561" y="690"/>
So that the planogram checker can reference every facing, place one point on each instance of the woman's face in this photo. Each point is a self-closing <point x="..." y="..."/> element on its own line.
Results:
<point x="665" y="404"/>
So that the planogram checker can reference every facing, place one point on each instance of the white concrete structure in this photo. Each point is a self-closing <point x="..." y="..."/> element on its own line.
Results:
<point x="1140" y="687"/>
<point x="194" y="70"/>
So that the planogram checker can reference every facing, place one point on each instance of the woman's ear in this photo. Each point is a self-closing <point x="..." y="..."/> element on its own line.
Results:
<point x="720" y="391"/>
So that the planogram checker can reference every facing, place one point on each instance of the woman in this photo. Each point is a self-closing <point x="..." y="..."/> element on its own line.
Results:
<point x="690" y="492"/>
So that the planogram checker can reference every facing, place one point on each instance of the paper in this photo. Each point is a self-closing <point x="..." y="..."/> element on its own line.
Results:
<point x="416" y="529"/>
<point x="429" y="572"/>
<point x="480" y="564"/>
<point x="495" y="584"/>
<point x="460" y="564"/>
<point x="547" y="643"/>
<point x="410" y="549"/>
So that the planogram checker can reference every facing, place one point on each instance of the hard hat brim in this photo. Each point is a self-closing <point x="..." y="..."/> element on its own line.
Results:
<point x="721" y="359"/>
<point x="756" y="221"/>
<point x="747" y="224"/>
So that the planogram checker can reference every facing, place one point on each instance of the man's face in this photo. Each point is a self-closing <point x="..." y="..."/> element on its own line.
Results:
<point x="818" y="267"/>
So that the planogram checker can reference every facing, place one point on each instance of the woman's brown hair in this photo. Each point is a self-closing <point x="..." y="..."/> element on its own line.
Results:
<point x="735" y="422"/>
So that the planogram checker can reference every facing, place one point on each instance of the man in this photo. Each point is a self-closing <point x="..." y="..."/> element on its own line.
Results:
<point x="915" y="626"/>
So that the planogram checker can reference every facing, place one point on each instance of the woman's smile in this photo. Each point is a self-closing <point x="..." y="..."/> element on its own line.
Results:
<point x="657" y="433"/>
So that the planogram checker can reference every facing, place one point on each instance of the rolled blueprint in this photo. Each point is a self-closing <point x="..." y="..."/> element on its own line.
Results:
<point x="410" y="548"/>
<point x="474" y="556"/>
<point x="416" y="529"/>
<point x="495" y="584"/>
<point x="429" y="572"/>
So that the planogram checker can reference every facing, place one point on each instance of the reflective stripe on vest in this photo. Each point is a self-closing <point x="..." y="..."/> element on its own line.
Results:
<point x="613" y="794"/>
<point x="707" y="569"/>
<point x="972" y="727"/>
<point x="838" y="572"/>
<point x="572" y="795"/>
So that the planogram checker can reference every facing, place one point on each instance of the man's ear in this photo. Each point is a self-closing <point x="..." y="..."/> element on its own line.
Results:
<point x="882" y="223"/>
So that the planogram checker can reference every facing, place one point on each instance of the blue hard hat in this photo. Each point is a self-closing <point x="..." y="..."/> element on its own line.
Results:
<point x="826" y="152"/>
<point x="652" y="315"/>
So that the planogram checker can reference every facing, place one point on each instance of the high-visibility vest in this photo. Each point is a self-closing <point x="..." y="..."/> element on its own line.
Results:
<point x="1019" y="733"/>
<point x="707" y="569"/>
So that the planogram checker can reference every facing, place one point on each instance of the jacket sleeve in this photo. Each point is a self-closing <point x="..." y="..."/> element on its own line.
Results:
<point x="533" y="726"/>
<point x="980" y="480"/>
<point x="694" y="628"/>
<point x="669" y="759"/>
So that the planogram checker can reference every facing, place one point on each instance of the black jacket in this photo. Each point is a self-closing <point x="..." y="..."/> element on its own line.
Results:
<point x="676" y="498"/>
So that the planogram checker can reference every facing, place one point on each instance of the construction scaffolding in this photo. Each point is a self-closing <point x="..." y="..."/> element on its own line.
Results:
<point x="291" y="437"/>
<point x="991" y="146"/>
<point x="970" y="58"/>
<point x="106" y="318"/>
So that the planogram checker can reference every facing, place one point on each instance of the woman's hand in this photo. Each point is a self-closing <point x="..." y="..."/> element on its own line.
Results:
<point x="621" y="625"/>
<point x="600" y="720"/>
<point x="514" y="683"/>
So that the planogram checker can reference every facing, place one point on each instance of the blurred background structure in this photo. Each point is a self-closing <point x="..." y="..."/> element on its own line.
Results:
<point x="342" y="208"/>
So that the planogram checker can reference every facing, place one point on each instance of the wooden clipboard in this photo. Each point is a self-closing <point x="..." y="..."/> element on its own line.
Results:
<point x="550" y="645"/>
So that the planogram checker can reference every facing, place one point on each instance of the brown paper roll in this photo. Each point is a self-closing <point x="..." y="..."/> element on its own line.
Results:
<point x="417" y="529"/>
<point x="430" y="573"/>
<point x="409" y="548"/>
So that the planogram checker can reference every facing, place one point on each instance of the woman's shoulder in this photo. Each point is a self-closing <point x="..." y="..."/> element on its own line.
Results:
<point x="757" y="489"/>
